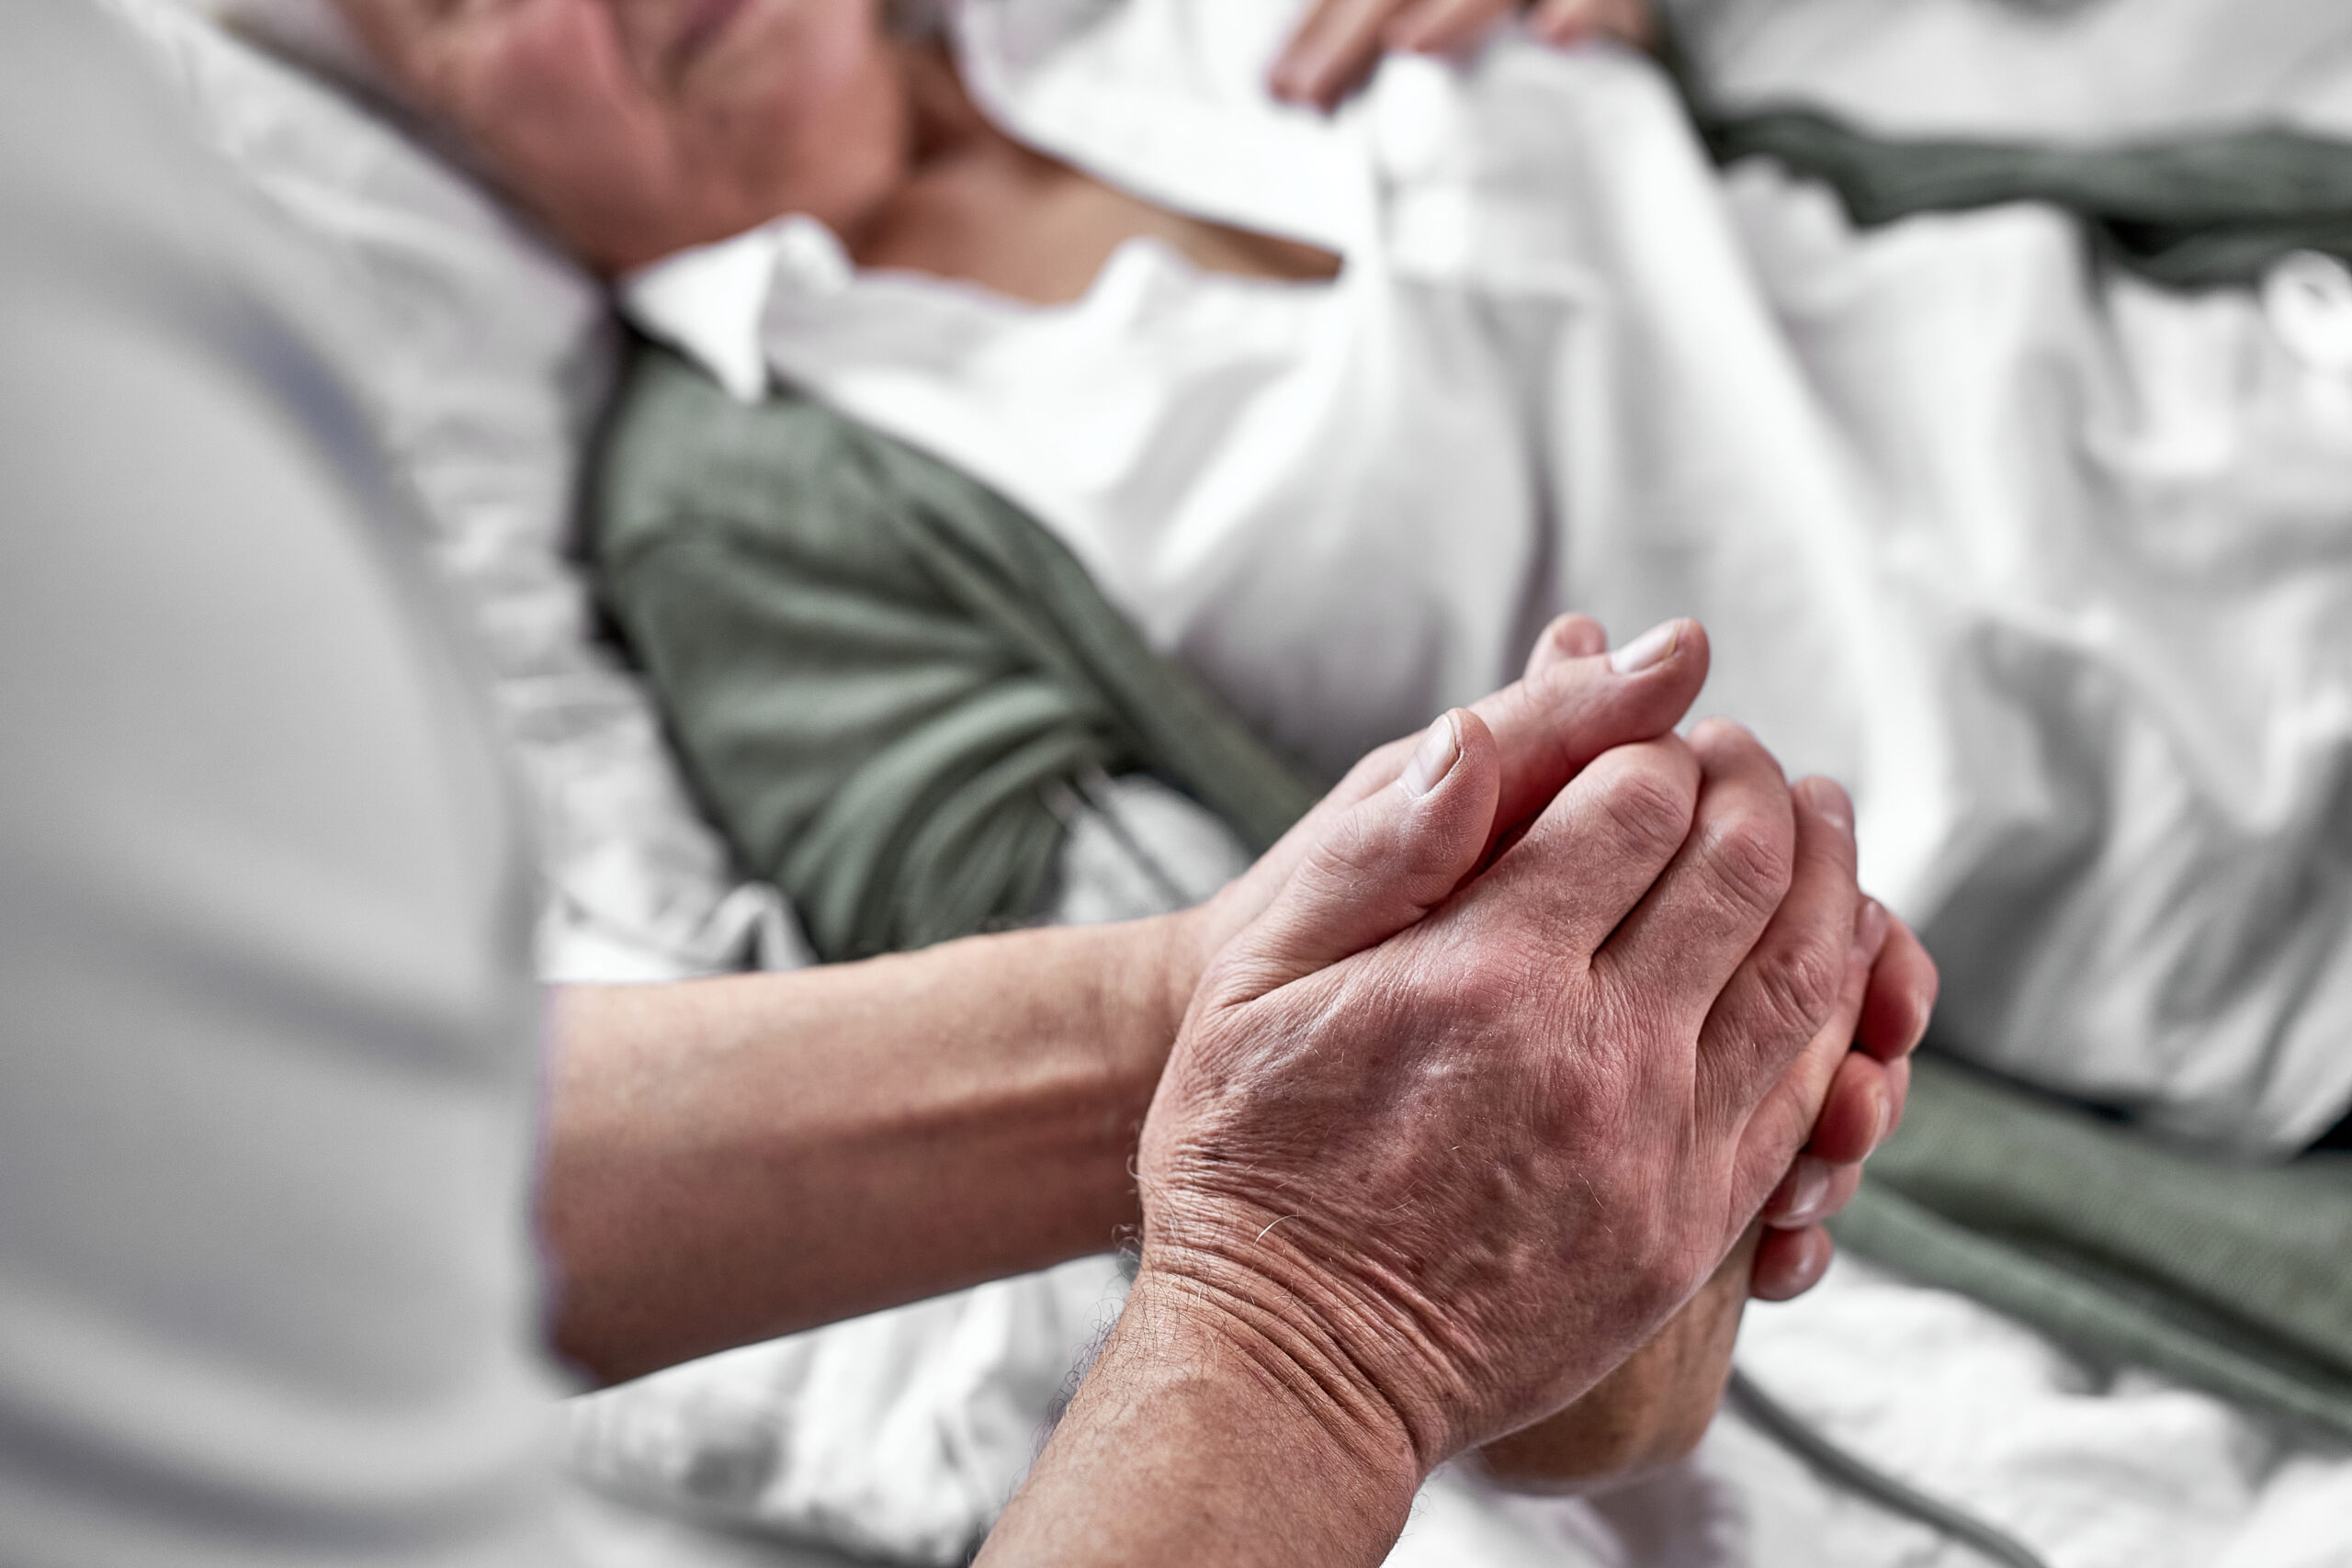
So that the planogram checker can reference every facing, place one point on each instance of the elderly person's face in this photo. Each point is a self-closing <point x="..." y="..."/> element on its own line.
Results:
<point x="636" y="128"/>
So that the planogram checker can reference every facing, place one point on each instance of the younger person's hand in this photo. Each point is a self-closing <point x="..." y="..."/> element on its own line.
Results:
<point x="1335" y="48"/>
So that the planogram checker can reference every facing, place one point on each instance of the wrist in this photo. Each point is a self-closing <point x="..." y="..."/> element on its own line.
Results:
<point x="1289" y="1367"/>
<point x="1199" y="1437"/>
<point x="1165" y="963"/>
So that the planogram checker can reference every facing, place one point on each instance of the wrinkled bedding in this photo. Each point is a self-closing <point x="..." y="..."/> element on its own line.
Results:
<point x="2052" y="568"/>
<point x="484" y="353"/>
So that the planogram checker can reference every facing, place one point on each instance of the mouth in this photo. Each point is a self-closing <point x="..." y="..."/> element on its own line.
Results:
<point x="705" y="19"/>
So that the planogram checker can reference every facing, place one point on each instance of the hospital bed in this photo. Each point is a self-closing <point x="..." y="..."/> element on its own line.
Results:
<point x="485" y="356"/>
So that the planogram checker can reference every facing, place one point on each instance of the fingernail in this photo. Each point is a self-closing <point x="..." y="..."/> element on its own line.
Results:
<point x="1812" y="1192"/>
<point x="1885" y="1114"/>
<point x="1869" y="932"/>
<point x="1434" y="758"/>
<point x="1831" y="802"/>
<point x="1653" y="647"/>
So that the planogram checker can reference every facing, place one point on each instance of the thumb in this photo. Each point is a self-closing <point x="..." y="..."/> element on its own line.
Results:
<point x="1375" y="868"/>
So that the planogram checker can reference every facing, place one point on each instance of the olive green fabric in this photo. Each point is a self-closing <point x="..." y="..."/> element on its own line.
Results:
<point x="874" y="667"/>
<point x="2236" y="1278"/>
<point x="2209" y="212"/>
<point x="2200" y="211"/>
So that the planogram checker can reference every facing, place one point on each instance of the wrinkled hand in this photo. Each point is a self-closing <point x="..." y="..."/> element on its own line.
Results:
<point x="1573" y="703"/>
<point x="1449" y="1153"/>
<point x="1335" y="48"/>
<point x="1863" y="1103"/>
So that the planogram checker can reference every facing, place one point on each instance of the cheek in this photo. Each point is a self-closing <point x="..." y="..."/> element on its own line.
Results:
<point x="857" y="145"/>
<point x="809" y="117"/>
<point x="546" y="96"/>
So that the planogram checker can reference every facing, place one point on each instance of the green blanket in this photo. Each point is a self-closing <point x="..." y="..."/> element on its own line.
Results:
<point x="2236" y="1278"/>
<point x="873" y="666"/>
<point x="2208" y="212"/>
<point x="2191" y="212"/>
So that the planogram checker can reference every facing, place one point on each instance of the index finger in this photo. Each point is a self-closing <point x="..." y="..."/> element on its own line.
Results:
<point x="1578" y="700"/>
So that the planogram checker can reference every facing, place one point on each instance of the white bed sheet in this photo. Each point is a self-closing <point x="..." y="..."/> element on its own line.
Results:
<point x="482" y="352"/>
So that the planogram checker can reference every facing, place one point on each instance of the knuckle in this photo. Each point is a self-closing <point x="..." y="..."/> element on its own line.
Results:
<point x="1751" y="858"/>
<point x="1647" y="812"/>
<point x="1355" y="844"/>
<point x="1792" y="989"/>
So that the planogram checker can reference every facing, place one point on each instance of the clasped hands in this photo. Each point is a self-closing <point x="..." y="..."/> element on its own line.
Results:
<point x="1491" y="1066"/>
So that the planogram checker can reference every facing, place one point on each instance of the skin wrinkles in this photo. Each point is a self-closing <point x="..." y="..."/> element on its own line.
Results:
<point x="1411" y="1270"/>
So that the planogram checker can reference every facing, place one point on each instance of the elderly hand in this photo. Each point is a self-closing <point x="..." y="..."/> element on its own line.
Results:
<point x="1337" y="45"/>
<point x="1452" y="1156"/>
<point x="1449" y="1133"/>
<point x="1573" y="703"/>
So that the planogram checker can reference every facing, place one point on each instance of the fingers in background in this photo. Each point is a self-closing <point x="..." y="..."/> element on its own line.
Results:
<point x="1333" y="49"/>
<point x="1441" y="26"/>
<point x="1630" y="21"/>
<point x="1562" y="22"/>
<point x="1898" y="1083"/>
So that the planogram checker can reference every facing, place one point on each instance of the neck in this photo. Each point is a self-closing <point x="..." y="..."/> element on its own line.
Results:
<point x="946" y="123"/>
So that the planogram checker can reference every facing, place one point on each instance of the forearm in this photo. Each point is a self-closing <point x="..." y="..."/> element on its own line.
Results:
<point x="735" y="1159"/>
<point x="1197" y="1440"/>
